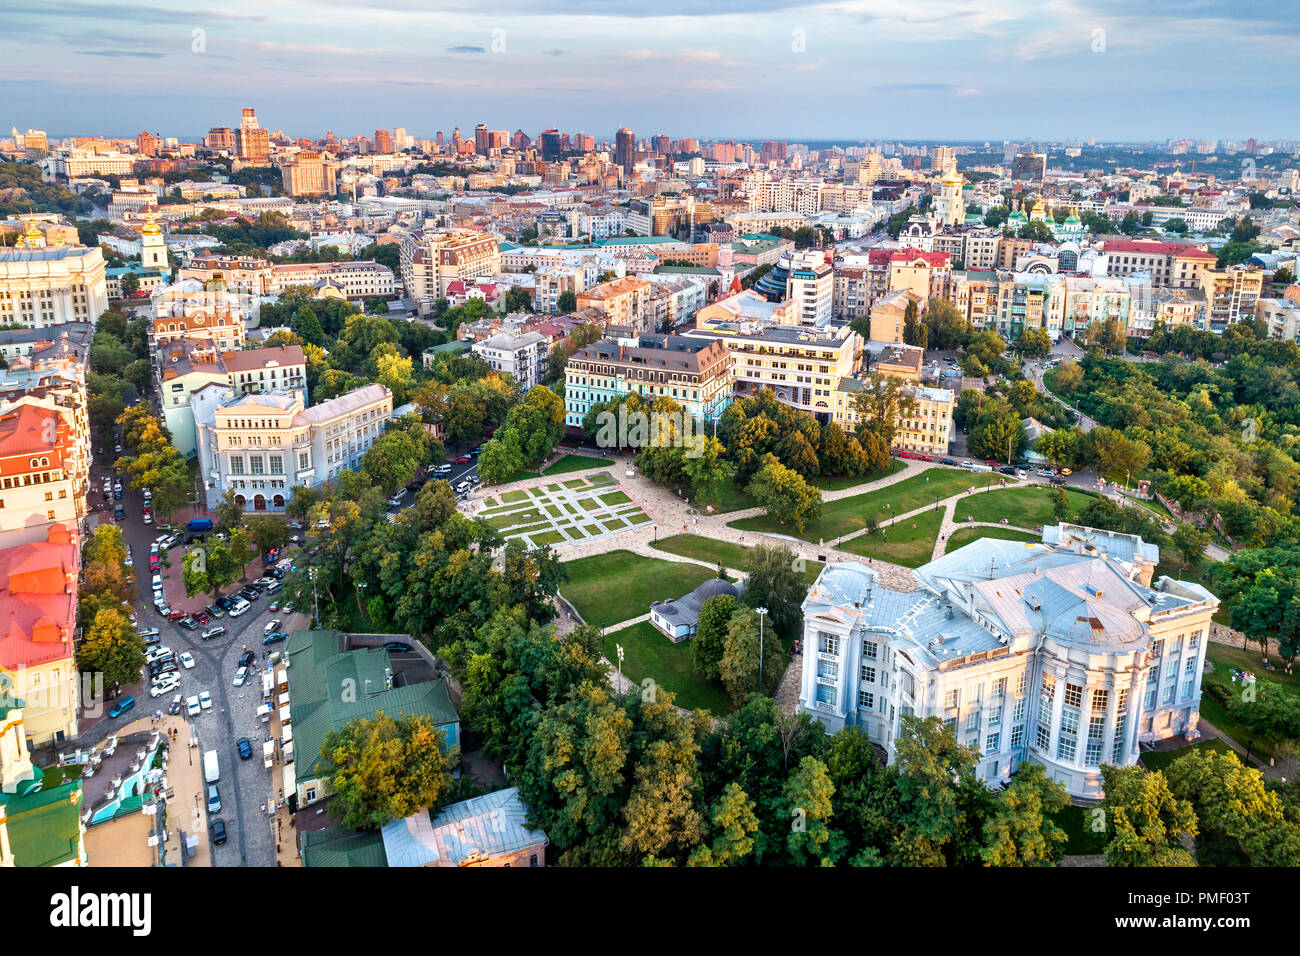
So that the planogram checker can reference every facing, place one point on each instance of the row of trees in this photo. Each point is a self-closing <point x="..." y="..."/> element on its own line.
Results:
<point x="153" y="461"/>
<point x="110" y="645"/>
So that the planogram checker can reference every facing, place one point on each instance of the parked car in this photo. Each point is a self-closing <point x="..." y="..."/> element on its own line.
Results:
<point x="176" y="615"/>
<point x="247" y="658"/>
<point x="159" y="668"/>
<point x="205" y="700"/>
<point x="164" y="685"/>
<point x="442" y="470"/>
<point x="214" y="799"/>
<point x="286" y="608"/>
<point x="273" y="606"/>
<point x="187" y="660"/>
<point x="272" y="625"/>
<point x="462" y="460"/>
<point x="192" y="707"/>
<point x="147" y="517"/>
<point x="396" y="646"/>
<point x="147" y="632"/>
<point x="212" y="632"/>
<point x="121" y="707"/>
<point x="188" y="623"/>
<point x="240" y="609"/>
<point x="218" y="831"/>
<point x="947" y="461"/>
<point x="245" y="748"/>
<point x="158" y="653"/>
<point x="213" y="611"/>
<point x="201" y="616"/>
<point x="275" y="637"/>
<point x="176" y="705"/>
<point x="241" y="675"/>
<point x="224" y="604"/>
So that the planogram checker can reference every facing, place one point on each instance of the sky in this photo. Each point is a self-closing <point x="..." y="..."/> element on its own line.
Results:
<point x="852" y="71"/>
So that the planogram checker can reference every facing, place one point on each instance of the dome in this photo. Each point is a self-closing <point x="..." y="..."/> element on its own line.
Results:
<point x="713" y="588"/>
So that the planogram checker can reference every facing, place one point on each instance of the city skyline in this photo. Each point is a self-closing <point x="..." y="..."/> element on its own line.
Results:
<point x="843" y="72"/>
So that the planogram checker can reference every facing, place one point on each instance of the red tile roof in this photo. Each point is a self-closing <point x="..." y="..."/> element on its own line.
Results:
<point x="1157" y="249"/>
<point x="38" y="600"/>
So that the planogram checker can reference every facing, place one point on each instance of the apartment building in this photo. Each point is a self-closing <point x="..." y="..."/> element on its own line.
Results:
<point x="851" y="293"/>
<point x="310" y="173"/>
<point x="802" y="365"/>
<point x="1281" y="317"/>
<point x="353" y="280"/>
<point x="810" y="288"/>
<point x="1172" y="265"/>
<point x="928" y="429"/>
<point x="888" y="314"/>
<point x="521" y="354"/>
<point x="925" y="274"/>
<point x="624" y="301"/>
<point x="1063" y="653"/>
<point x="247" y="275"/>
<point x="1230" y="295"/>
<point x="430" y="261"/>
<point x="697" y="373"/>
<point x="261" y="445"/>
<point x="43" y="285"/>
<point x="38" y="620"/>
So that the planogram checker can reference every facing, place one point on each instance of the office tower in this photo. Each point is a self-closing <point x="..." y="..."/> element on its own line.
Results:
<point x="661" y="145"/>
<point x="254" y="142"/>
<point x="383" y="141"/>
<point x="941" y="157"/>
<point x="551" y="148"/>
<point x="625" y="149"/>
<point x="146" y="144"/>
<point x="481" y="139"/>
<point x="221" y="137"/>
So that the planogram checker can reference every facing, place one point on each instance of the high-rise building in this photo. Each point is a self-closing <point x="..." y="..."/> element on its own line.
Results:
<point x="254" y="142"/>
<point x="383" y="141"/>
<point x="221" y="137"/>
<point x="481" y="139"/>
<point x="521" y="140"/>
<point x="550" y="144"/>
<point x="662" y="145"/>
<point x="625" y="149"/>
<point x="310" y="173"/>
<point x="941" y="157"/>
<point x="146" y="144"/>
<point x="583" y="142"/>
<point x="1030" y="166"/>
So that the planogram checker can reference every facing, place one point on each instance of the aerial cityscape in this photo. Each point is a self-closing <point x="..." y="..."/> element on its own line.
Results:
<point x="631" y="477"/>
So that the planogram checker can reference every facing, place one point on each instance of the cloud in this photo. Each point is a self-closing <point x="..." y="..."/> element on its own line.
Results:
<point x="114" y="53"/>
<point x="466" y="49"/>
<point x="329" y="49"/>
<point x="970" y="91"/>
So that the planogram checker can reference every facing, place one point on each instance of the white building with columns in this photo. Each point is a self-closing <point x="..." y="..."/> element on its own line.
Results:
<point x="1061" y="652"/>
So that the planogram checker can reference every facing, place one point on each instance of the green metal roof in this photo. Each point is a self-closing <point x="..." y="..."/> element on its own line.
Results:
<point x="44" y="826"/>
<point x="335" y="846"/>
<point x="329" y="688"/>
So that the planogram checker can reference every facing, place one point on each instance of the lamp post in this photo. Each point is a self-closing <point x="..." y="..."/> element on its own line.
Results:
<point x="315" y="604"/>
<point x="619" y="648"/>
<point x="762" y="613"/>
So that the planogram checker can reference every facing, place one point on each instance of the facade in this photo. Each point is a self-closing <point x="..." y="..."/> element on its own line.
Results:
<point x="696" y="373"/>
<point x="624" y="301"/>
<point x="1171" y="264"/>
<point x="310" y="173"/>
<point x="521" y="355"/>
<point x="1230" y="295"/>
<point x="44" y="285"/>
<point x="261" y="445"/>
<point x="40" y="825"/>
<point x="801" y="365"/>
<point x="811" y="288"/>
<point x="355" y="280"/>
<point x="38" y="621"/>
<point x="1062" y="653"/>
<point x="432" y="260"/>
<point x="888" y="314"/>
<point x="39" y="483"/>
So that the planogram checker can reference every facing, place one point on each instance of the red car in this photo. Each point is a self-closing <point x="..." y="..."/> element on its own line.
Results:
<point x="177" y="615"/>
<point x="925" y="458"/>
<point x="202" y="617"/>
<point x="993" y="464"/>
<point x="905" y="454"/>
<point x="462" y="460"/>
<point x="155" y="565"/>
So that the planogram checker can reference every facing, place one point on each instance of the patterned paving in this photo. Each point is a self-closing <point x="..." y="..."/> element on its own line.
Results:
<point x="564" y="511"/>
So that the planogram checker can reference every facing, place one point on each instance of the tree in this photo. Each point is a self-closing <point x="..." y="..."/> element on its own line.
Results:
<point x="742" y="651"/>
<point x="229" y="513"/>
<point x="1033" y="343"/>
<point x="518" y="300"/>
<point x="785" y="496"/>
<point x="1021" y="831"/>
<point x="1145" y="821"/>
<point x="497" y="462"/>
<point x="130" y="283"/>
<point x="734" y="826"/>
<point x="808" y="797"/>
<point x="308" y="327"/>
<point x="112" y="647"/>
<point x="773" y="579"/>
<point x="396" y="455"/>
<point x="915" y="332"/>
<point x="882" y="404"/>
<point x="1190" y="542"/>
<point x="937" y="791"/>
<point x="567" y="303"/>
<point x="709" y="642"/>
<point x="1001" y="438"/>
<point x="1068" y="377"/>
<point x="381" y="769"/>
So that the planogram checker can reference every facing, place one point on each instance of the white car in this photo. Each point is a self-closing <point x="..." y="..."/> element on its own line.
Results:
<point x="187" y="660"/>
<point x="156" y="653"/>
<point x="157" y="582"/>
<point x="148" y="518"/>
<point x="272" y="625"/>
<point x="241" y="675"/>
<point x="148" y="632"/>
<point x="239" y="609"/>
<point x="192" y="706"/>
<point x="286" y="608"/>
<point x="164" y="685"/>
<point x="205" y="700"/>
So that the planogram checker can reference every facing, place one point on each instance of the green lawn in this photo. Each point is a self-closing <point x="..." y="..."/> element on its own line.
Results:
<point x="1224" y="657"/>
<point x="549" y="537"/>
<point x="840" y="482"/>
<point x="592" y="529"/>
<point x="730" y="498"/>
<point x="900" y="543"/>
<point x="731" y="555"/>
<point x="1026" y="507"/>
<point x="1171" y="563"/>
<point x="503" y="521"/>
<point x="647" y="653"/>
<point x="1161" y="759"/>
<point x="964" y="536"/>
<point x="618" y="585"/>
<point x="575" y="463"/>
<point x="512" y="496"/>
<point x="615" y="498"/>
<point x="521" y="476"/>
<point x="604" y="478"/>
<point x="849" y="514"/>
<point x="589" y="504"/>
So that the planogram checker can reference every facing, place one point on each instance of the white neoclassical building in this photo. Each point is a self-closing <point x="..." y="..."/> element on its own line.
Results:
<point x="1061" y="652"/>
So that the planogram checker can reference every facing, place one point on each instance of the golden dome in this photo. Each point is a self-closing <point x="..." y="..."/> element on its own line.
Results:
<point x="31" y="238"/>
<point x="1039" y="207"/>
<point x="150" y="227"/>
<point x="952" y="178"/>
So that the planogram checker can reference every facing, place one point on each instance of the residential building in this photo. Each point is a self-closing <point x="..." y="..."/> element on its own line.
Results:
<point x="928" y="429"/>
<point x="889" y="312"/>
<point x="1171" y="264"/>
<point x="810" y="288"/>
<point x="696" y="373"/>
<point x="40" y="825"/>
<point x="430" y="261"/>
<point x="1062" y="653"/>
<point x="352" y="280"/>
<point x="310" y="173"/>
<point x="1230" y="295"/>
<point x="623" y="301"/>
<point x="522" y="355"/>
<point x="39" y="481"/>
<point x="38" y="622"/>
<point x="851" y="295"/>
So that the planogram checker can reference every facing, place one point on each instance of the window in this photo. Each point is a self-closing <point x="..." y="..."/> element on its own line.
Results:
<point x="1195" y="641"/>
<point x="1096" y="727"/>
<point x="1191" y="666"/>
<point x="302" y="461"/>
<point x="1121" y="701"/>
<point x="825" y="694"/>
<point x="1099" y="700"/>
<point x="277" y="465"/>
<point x="1000" y="687"/>
<point x="991" y="743"/>
<point x="1069" y="722"/>
<point x="237" y="464"/>
<point x="1043" y="738"/>
<point x="1047" y="692"/>
<point x="1158" y="649"/>
<point x="870" y="650"/>
<point x="1188" y="688"/>
<point x="1151" y="698"/>
<point x="1092" y="755"/>
<point x="1017" y="736"/>
<point x="256" y="465"/>
<point x="1065" y="749"/>
<point x="951" y="725"/>
<point x="973" y="720"/>
<point x="868" y="674"/>
<point x="828" y="669"/>
<point x="951" y="698"/>
<point x="1073" y="695"/>
<point x="829" y="643"/>
<point x="866" y="699"/>
<point x="1019" y="713"/>
<point x="1168" y="697"/>
<point x="995" y="716"/>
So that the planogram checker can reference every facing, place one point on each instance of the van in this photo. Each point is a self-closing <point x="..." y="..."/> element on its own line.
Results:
<point x="273" y="587"/>
<point x="240" y="607"/>
<point x="981" y="467"/>
<point x="211" y="771"/>
<point x="121" y="707"/>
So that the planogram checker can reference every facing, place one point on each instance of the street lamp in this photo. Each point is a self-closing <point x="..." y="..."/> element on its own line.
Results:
<point x="762" y="613"/>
